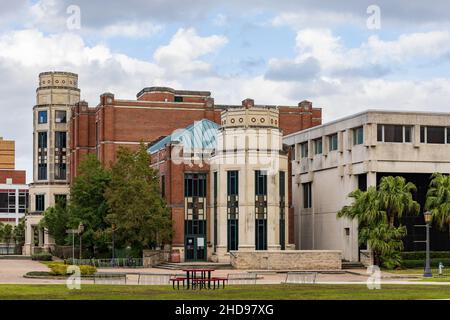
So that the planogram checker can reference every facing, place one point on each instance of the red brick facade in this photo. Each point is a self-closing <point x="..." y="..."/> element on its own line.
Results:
<point x="17" y="176"/>
<point x="158" y="111"/>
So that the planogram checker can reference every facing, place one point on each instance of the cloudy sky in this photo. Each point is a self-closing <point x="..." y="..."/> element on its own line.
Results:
<point x="276" y="52"/>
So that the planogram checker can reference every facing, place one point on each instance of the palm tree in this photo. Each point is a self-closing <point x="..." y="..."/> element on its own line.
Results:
<point x="376" y="210"/>
<point x="395" y="195"/>
<point x="438" y="199"/>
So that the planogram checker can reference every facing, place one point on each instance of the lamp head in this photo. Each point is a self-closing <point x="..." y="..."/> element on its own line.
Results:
<point x="428" y="217"/>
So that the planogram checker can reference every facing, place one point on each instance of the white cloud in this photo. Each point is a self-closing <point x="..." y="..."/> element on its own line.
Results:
<point x="131" y="30"/>
<point x="182" y="54"/>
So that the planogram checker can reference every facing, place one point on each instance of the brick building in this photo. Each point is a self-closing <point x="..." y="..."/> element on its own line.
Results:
<point x="156" y="113"/>
<point x="13" y="187"/>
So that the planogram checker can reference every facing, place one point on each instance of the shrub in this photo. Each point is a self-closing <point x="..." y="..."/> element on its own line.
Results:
<point x="420" y="255"/>
<point x="43" y="256"/>
<point x="60" y="269"/>
<point x="419" y="263"/>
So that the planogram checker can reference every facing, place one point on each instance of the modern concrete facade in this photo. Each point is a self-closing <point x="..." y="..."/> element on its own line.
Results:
<point x="336" y="158"/>
<point x="55" y="96"/>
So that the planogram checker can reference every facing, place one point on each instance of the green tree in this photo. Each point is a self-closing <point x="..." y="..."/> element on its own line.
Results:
<point x="19" y="233"/>
<point x="396" y="197"/>
<point x="376" y="210"/>
<point x="57" y="221"/>
<point x="7" y="234"/>
<point x="140" y="215"/>
<point x="438" y="199"/>
<point x="87" y="201"/>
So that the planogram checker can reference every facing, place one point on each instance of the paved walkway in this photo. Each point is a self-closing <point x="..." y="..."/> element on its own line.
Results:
<point x="12" y="272"/>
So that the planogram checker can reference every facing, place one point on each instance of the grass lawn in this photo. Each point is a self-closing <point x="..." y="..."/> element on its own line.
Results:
<point x="252" y="292"/>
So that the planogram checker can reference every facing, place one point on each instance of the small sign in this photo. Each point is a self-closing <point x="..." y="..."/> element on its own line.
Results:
<point x="200" y="242"/>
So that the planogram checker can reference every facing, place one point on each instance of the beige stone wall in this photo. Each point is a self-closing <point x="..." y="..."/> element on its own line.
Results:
<point x="318" y="260"/>
<point x="154" y="257"/>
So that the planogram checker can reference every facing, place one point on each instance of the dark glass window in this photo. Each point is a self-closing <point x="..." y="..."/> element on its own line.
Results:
<point x="60" y="116"/>
<point x="178" y="99"/>
<point x="307" y="195"/>
<point x="260" y="210"/>
<point x="215" y="194"/>
<point x="435" y="135"/>
<point x="232" y="210"/>
<point x="40" y="202"/>
<point x="60" y="139"/>
<point x="318" y="146"/>
<point x="380" y="133"/>
<point x="333" y="142"/>
<point x="408" y="133"/>
<point x="362" y="182"/>
<point x="42" y="171"/>
<point x="42" y="140"/>
<point x="304" y="149"/>
<point x="42" y="117"/>
<point x="422" y="134"/>
<point x="163" y="186"/>
<point x="393" y="133"/>
<point x="60" y="171"/>
<point x="4" y="201"/>
<point x="358" y="136"/>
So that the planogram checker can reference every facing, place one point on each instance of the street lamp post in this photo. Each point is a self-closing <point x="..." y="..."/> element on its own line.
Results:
<point x="80" y="232"/>
<point x="113" y="227"/>
<point x="427" y="272"/>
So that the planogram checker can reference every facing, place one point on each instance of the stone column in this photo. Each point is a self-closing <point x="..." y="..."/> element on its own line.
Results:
<point x="246" y="208"/>
<point x="222" y="216"/>
<point x="273" y="212"/>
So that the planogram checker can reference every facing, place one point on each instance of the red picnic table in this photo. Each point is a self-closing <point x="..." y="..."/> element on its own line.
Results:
<point x="200" y="277"/>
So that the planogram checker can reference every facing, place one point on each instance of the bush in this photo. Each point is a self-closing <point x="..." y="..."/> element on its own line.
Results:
<point x="43" y="256"/>
<point x="420" y="255"/>
<point x="420" y="263"/>
<point x="60" y="269"/>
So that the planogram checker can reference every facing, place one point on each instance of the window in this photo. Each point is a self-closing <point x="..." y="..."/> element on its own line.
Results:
<point x="358" y="136"/>
<point x="40" y="202"/>
<point x="394" y="133"/>
<point x="304" y="150"/>
<point x="333" y="142"/>
<point x="178" y="99"/>
<point x="163" y="186"/>
<point x="260" y="210"/>
<point x="42" y="140"/>
<point x="42" y="171"/>
<point x="307" y="196"/>
<point x="60" y="116"/>
<point x="42" y="117"/>
<point x="60" y="140"/>
<point x="435" y="135"/>
<point x="232" y="210"/>
<point x="215" y="195"/>
<point x="318" y="146"/>
<point x="60" y="171"/>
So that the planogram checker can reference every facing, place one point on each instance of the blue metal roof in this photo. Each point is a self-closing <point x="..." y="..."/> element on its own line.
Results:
<point x="199" y="136"/>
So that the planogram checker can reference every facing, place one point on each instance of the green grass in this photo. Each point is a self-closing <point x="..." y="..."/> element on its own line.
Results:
<point x="253" y="292"/>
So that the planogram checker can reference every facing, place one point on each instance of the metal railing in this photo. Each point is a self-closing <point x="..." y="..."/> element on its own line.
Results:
<point x="242" y="278"/>
<point x="109" y="263"/>
<point x="301" y="277"/>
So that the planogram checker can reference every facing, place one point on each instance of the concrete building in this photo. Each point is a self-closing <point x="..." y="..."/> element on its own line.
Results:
<point x="336" y="158"/>
<point x="227" y="186"/>
<point x="13" y="187"/>
<point x="156" y="113"/>
<point x="55" y="96"/>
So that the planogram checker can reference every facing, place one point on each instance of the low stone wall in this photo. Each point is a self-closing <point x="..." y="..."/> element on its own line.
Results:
<point x="366" y="257"/>
<point x="152" y="258"/>
<point x="318" y="260"/>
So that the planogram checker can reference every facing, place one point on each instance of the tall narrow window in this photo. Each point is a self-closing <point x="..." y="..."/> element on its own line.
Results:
<point x="163" y="186"/>
<point x="318" y="146"/>
<point x="232" y="210"/>
<point x="40" y="202"/>
<point x="307" y="195"/>
<point x="195" y="216"/>
<point x="282" y="188"/>
<point x="333" y="142"/>
<point x="60" y="155"/>
<point x="304" y="149"/>
<point x="215" y="209"/>
<point x="61" y="200"/>
<point x="358" y="136"/>
<point x="42" y="155"/>
<point x="260" y="210"/>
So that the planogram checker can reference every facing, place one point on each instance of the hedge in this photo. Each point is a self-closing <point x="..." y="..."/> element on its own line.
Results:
<point x="420" y="263"/>
<point x="43" y="256"/>
<point x="420" y="255"/>
<point x="60" y="269"/>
